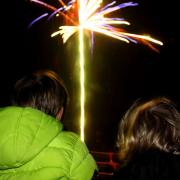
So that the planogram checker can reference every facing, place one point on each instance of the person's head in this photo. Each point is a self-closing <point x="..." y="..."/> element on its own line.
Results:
<point x="153" y="124"/>
<point x="43" y="90"/>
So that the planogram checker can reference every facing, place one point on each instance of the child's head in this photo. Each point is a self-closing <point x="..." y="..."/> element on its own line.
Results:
<point x="153" y="124"/>
<point x="43" y="90"/>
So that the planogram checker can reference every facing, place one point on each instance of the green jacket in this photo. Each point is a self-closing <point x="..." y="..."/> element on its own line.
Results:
<point x="34" y="146"/>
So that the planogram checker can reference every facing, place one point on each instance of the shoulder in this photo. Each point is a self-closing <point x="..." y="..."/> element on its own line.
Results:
<point x="69" y="140"/>
<point x="151" y="165"/>
<point x="71" y="143"/>
<point x="76" y="153"/>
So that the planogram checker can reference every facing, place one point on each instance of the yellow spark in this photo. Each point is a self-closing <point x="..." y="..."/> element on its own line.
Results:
<point x="81" y="53"/>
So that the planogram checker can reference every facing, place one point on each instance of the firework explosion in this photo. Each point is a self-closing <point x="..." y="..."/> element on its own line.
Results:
<point x="91" y="15"/>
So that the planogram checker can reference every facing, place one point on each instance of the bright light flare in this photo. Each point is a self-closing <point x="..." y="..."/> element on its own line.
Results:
<point x="91" y="15"/>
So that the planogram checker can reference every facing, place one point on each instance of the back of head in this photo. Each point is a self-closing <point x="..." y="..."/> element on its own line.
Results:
<point x="43" y="90"/>
<point x="153" y="124"/>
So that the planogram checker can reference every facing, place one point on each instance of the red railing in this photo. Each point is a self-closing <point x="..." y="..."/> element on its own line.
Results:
<point x="107" y="162"/>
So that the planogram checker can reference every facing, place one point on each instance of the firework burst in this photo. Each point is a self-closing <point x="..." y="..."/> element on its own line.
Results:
<point x="91" y="15"/>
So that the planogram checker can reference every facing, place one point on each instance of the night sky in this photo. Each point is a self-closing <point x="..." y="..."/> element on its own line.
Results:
<point x="117" y="73"/>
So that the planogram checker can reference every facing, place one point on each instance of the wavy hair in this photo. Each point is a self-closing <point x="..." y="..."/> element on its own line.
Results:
<point x="153" y="124"/>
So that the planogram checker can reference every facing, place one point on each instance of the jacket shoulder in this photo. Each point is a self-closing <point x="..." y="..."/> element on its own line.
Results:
<point x="81" y="163"/>
<point x="70" y="142"/>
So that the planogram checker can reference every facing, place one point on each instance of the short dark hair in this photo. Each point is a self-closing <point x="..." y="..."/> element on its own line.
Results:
<point x="43" y="90"/>
<point x="153" y="124"/>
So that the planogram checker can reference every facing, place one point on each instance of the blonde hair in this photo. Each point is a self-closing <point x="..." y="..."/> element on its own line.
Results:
<point x="153" y="124"/>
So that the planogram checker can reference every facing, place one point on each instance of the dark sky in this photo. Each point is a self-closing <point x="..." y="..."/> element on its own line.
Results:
<point x="117" y="73"/>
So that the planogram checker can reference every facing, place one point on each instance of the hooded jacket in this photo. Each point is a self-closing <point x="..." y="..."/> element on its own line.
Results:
<point x="33" y="146"/>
